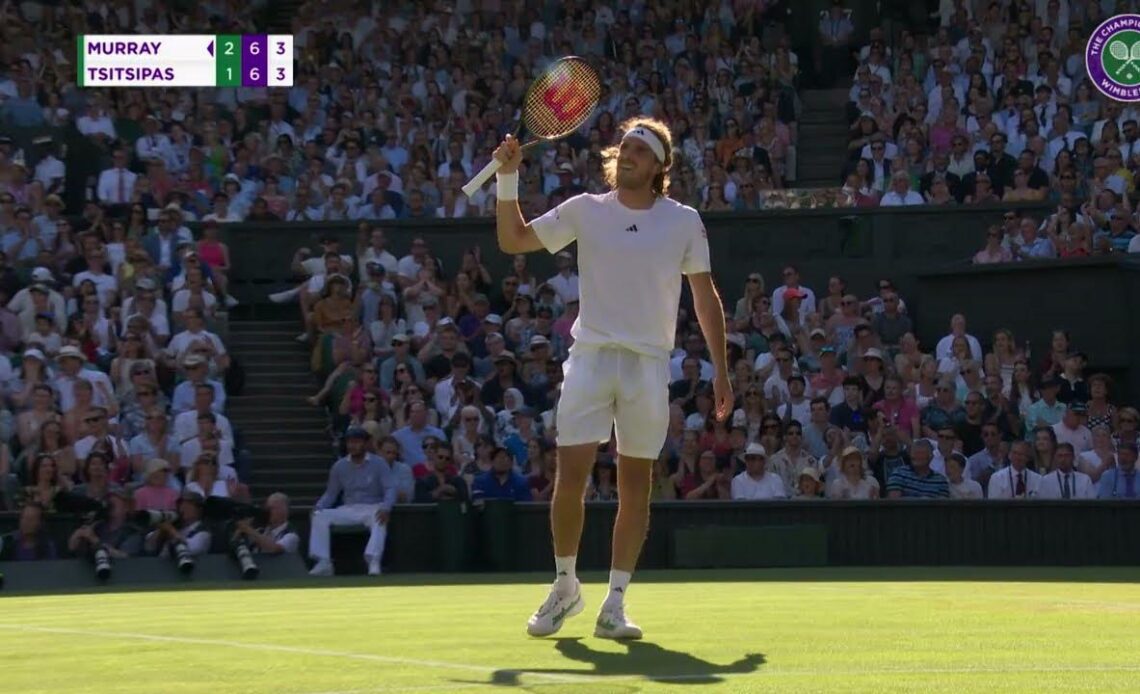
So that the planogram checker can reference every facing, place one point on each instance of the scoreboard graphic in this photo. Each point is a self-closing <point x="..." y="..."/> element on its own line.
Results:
<point x="226" y="60"/>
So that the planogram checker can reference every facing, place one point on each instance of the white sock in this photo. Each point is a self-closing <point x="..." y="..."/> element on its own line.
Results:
<point x="619" y="582"/>
<point x="565" y="577"/>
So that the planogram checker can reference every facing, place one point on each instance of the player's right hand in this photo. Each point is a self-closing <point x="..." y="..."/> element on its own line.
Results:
<point x="510" y="153"/>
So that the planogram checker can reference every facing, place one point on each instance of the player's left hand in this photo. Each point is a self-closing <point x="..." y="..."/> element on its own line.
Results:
<point x="722" y="392"/>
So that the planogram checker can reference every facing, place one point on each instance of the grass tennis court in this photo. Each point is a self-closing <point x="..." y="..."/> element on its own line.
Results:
<point x="880" y="630"/>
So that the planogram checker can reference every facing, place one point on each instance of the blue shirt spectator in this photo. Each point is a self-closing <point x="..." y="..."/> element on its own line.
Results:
<point x="365" y="480"/>
<point x="501" y="481"/>
<point x="411" y="437"/>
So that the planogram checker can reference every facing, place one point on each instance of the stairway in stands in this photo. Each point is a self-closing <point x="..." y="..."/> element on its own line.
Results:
<point x="822" y="145"/>
<point x="286" y="437"/>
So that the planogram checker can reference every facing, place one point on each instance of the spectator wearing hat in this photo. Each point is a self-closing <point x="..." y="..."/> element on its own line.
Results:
<point x="27" y="306"/>
<point x="401" y="359"/>
<point x="1073" y="385"/>
<point x="409" y="266"/>
<point x="809" y="487"/>
<point x="156" y="492"/>
<point x="1064" y="482"/>
<point x="506" y="376"/>
<point x="918" y="480"/>
<point x="363" y="482"/>
<point x="851" y="480"/>
<point x="1072" y="430"/>
<point x="565" y="282"/>
<point x="1048" y="410"/>
<point x="189" y="529"/>
<point x="1121" y="481"/>
<point x="961" y="486"/>
<point x="1015" y="481"/>
<point x="502" y="481"/>
<point x="72" y="367"/>
<point x="524" y="430"/>
<point x="791" y="276"/>
<point x="756" y="483"/>
<point x="196" y="339"/>
<point x="195" y="369"/>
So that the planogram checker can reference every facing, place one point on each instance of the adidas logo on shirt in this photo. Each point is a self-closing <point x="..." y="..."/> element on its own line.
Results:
<point x="632" y="228"/>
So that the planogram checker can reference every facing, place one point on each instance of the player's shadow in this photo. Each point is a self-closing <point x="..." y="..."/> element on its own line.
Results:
<point x="642" y="660"/>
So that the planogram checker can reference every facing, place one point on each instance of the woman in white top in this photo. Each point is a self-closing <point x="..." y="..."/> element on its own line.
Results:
<point x="961" y="487"/>
<point x="205" y="480"/>
<point x="853" y="482"/>
<point x="386" y="326"/>
<point x="1102" y="456"/>
<point x="505" y="420"/>
<point x="926" y="387"/>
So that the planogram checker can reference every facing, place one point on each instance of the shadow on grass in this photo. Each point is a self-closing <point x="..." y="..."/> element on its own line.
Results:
<point x="641" y="661"/>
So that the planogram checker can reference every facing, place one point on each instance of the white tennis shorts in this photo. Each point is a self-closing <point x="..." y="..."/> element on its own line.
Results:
<point x="614" y="388"/>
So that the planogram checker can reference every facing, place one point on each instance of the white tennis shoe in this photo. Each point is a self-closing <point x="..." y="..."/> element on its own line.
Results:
<point x="613" y="624"/>
<point x="555" y="611"/>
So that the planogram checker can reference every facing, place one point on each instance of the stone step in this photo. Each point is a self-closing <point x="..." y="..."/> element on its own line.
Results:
<point x="283" y="457"/>
<point x="819" y="99"/>
<point x="809" y="133"/>
<point x="272" y="406"/>
<point x="282" y="425"/>
<point x="820" y="170"/>
<point x="299" y="475"/>
<point x="817" y="183"/>
<point x="269" y="343"/>
<point x="309" y="491"/>
<point x="258" y="325"/>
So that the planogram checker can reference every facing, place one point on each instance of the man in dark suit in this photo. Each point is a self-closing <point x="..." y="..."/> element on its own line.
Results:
<point x="941" y="170"/>
<point x="162" y="243"/>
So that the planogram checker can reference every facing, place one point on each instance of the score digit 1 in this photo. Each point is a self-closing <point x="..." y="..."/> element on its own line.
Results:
<point x="254" y="60"/>
<point x="228" y="60"/>
<point x="281" y="60"/>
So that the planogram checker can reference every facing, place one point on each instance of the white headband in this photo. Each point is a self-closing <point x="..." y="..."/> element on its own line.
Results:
<point x="648" y="137"/>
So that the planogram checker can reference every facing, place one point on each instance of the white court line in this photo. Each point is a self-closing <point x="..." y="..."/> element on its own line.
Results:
<point x="549" y="678"/>
<point x="295" y="650"/>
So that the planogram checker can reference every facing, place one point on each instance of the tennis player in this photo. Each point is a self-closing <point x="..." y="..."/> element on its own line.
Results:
<point x="633" y="246"/>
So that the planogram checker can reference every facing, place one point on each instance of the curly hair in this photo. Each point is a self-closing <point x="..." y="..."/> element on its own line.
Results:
<point x="610" y="154"/>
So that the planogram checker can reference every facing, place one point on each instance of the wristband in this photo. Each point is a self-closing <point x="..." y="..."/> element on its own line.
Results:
<point x="507" y="186"/>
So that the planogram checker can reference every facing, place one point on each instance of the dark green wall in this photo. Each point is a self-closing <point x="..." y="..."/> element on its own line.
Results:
<point x="516" y="537"/>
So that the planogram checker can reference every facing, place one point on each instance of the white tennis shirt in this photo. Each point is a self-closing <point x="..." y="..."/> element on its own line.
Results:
<point x="630" y="264"/>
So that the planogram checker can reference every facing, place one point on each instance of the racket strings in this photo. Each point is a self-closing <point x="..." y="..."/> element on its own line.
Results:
<point x="561" y="98"/>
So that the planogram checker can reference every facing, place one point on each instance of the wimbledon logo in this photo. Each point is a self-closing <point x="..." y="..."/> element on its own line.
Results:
<point x="1113" y="57"/>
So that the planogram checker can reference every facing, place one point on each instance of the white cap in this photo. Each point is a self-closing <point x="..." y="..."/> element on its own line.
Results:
<point x="755" y="449"/>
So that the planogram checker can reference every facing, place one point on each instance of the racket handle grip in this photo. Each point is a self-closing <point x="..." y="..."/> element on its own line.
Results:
<point x="482" y="177"/>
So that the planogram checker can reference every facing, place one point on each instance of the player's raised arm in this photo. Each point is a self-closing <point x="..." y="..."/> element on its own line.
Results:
<point x="513" y="233"/>
<point x="710" y="314"/>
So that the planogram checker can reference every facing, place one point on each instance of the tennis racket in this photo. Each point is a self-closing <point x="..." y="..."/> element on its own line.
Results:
<point x="557" y="103"/>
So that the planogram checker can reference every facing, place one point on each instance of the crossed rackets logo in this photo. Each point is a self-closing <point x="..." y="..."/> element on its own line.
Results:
<point x="567" y="100"/>
<point x="1120" y="50"/>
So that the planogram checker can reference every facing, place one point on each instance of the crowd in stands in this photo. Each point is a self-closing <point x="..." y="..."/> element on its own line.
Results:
<point x="115" y="314"/>
<point x="995" y="105"/>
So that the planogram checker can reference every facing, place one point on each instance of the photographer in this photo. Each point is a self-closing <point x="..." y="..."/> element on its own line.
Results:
<point x="112" y="537"/>
<point x="277" y="536"/>
<point x="184" y="541"/>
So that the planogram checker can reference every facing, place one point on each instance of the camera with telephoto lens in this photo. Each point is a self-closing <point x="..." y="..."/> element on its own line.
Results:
<point x="244" y="556"/>
<point x="102" y="563"/>
<point x="90" y="510"/>
<point x="152" y="519"/>
<point x="182" y="556"/>
<point x="223" y="510"/>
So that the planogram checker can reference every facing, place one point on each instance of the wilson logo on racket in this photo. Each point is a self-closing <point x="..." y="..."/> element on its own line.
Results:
<point x="566" y="98"/>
